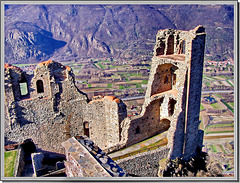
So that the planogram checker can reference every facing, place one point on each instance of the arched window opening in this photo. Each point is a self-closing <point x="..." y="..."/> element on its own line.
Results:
<point x="23" y="87"/>
<point x="86" y="128"/>
<point x="40" y="88"/>
<point x="160" y="50"/>
<point x="138" y="130"/>
<point x="170" y="45"/>
<point x="171" y="106"/>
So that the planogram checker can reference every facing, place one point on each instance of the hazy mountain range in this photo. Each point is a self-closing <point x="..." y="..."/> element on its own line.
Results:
<point x="34" y="33"/>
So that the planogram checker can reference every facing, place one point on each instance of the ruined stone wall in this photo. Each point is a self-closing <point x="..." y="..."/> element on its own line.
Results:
<point x="54" y="109"/>
<point x="144" y="164"/>
<point x="35" y="116"/>
<point x="97" y="127"/>
<point x="58" y="111"/>
<point x="163" y="79"/>
<point x="172" y="100"/>
<point x="36" y="119"/>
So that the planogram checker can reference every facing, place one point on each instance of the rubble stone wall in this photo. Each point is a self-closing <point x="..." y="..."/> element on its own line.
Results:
<point x="57" y="112"/>
<point x="172" y="99"/>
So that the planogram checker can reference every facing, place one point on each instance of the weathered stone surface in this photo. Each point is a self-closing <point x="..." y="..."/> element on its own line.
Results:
<point x="54" y="109"/>
<point x="89" y="164"/>
<point x="172" y="100"/>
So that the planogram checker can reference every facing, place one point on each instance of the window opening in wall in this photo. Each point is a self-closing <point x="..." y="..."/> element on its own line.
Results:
<point x="161" y="101"/>
<point x="171" y="106"/>
<point x="182" y="48"/>
<point x="40" y="86"/>
<point x="23" y="87"/>
<point x="137" y="130"/>
<point x="170" y="45"/>
<point x="173" y="79"/>
<point x="160" y="50"/>
<point x="86" y="128"/>
<point x="166" y="79"/>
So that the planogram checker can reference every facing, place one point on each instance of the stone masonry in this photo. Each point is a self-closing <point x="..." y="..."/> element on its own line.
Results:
<point x="172" y="100"/>
<point x="85" y="159"/>
<point x="52" y="109"/>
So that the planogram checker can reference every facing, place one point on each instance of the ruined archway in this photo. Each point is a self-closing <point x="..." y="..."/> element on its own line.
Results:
<point x="40" y="88"/>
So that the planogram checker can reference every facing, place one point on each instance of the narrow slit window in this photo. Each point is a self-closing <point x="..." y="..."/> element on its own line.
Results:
<point x="171" y="106"/>
<point x="86" y="128"/>
<point x="170" y="45"/>
<point x="173" y="79"/>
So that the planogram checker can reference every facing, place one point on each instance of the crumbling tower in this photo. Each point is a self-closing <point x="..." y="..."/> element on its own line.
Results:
<point x="175" y="84"/>
<point x="172" y="100"/>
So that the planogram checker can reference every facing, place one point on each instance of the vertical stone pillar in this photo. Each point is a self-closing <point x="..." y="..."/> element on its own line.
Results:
<point x="194" y="92"/>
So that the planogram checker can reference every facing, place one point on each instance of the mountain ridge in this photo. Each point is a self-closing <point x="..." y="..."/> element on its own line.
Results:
<point x="72" y="32"/>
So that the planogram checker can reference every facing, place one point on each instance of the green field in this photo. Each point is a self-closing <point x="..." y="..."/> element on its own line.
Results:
<point x="230" y="83"/>
<point x="208" y="84"/>
<point x="218" y="95"/>
<point x="216" y="106"/>
<point x="213" y="148"/>
<point x="221" y="125"/>
<point x="206" y="132"/>
<point x="9" y="163"/>
<point x="228" y="106"/>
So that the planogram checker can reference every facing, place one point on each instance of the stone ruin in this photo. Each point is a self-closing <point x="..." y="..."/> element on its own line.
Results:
<point x="51" y="109"/>
<point x="85" y="159"/>
<point x="172" y="100"/>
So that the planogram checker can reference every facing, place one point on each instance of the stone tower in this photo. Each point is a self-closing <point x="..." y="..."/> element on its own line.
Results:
<point x="175" y="84"/>
<point x="172" y="100"/>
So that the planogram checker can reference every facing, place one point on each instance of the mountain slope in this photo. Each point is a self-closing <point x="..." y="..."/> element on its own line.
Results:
<point x="71" y="32"/>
